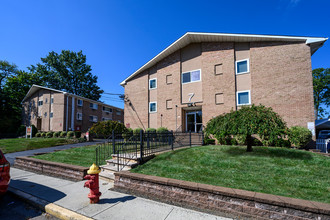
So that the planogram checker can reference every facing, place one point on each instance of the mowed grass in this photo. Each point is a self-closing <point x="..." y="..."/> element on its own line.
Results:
<point x="81" y="156"/>
<point x="279" y="171"/>
<point x="21" y="144"/>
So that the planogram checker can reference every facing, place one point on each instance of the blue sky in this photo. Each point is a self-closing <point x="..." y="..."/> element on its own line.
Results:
<point x="118" y="37"/>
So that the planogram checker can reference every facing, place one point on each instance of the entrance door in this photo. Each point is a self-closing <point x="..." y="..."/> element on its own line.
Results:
<point x="39" y="124"/>
<point x="194" y="121"/>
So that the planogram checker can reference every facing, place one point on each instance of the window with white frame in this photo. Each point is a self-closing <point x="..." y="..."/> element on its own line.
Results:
<point x="93" y="118"/>
<point x="106" y="109"/>
<point x="93" y="105"/>
<point x="118" y="112"/>
<point x="153" y="83"/>
<point x="242" y="66"/>
<point x="79" y="102"/>
<point x="79" y="116"/>
<point x="152" y="107"/>
<point x="51" y="114"/>
<point x="52" y="100"/>
<point x="106" y="119"/>
<point x="40" y="102"/>
<point x="243" y="97"/>
<point x="192" y="76"/>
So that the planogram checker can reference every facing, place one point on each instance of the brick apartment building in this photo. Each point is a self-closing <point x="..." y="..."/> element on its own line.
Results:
<point x="55" y="110"/>
<point x="202" y="75"/>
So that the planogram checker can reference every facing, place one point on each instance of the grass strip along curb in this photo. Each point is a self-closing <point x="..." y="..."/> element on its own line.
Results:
<point x="50" y="208"/>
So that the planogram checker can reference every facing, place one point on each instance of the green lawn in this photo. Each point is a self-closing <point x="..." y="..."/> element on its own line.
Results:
<point x="279" y="171"/>
<point x="81" y="156"/>
<point x="22" y="144"/>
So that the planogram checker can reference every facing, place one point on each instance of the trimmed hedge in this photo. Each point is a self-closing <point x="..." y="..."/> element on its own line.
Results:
<point x="70" y="134"/>
<point x="103" y="129"/>
<point x="49" y="134"/>
<point x="63" y="134"/>
<point x="162" y="130"/>
<point x="56" y="134"/>
<point x="299" y="136"/>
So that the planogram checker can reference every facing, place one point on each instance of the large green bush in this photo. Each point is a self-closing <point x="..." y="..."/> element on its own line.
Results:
<point x="56" y="134"/>
<point x="103" y="129"/>
<point x="63" y="134"/>
<point x="151" y="130"/>
<point x="70" y="134"/>
<point x="162" y="130"/>
<point x="49" y="134"/>
<point x="299" y="136"/>
<point x="247" y="121"/>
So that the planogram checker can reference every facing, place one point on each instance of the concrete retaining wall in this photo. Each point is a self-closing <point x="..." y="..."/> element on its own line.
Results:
<point x="66" y="171"/>
<point x="220" y="200"/>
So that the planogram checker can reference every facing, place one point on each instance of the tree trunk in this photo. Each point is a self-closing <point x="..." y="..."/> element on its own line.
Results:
<point x="249" y="143"/>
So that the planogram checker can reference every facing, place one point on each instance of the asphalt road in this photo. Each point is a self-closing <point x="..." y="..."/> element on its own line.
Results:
<point x="12" y="208"/>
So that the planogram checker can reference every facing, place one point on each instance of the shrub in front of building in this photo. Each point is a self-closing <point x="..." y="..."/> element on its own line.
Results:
<point x="43" y="134"/>
<point x="56" y="134"/>
<point x="70" y="134"/>
<point x="299" y="136"/>
<point x="162" y="130"/>
<point x="63" y="134"/>
<point x="49" y="134"/>
<point x="77" y="134"/>
<point x="103" y="129"/>
<point x="38" y="134"/>
<point x="249" y="120"/>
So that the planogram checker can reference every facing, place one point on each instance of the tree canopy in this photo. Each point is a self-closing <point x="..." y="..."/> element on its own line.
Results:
<point x="248" y="121"/>
<point x="68" y="71"/>
<point x="321" y="87"/>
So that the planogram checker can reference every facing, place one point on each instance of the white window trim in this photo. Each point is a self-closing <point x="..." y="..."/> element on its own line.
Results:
<point x="82" y="102"/>
<point x="149" y="107"/>
<point x="149" y="83"/>
<point x="94" y="116"/>
<point x="243" y="92"/>
<point x="248" y="66"/>
<point x="94" y="104"/>
<point x="200" y="76"/>
<point x="51" y="114"/>
<point x="106" y="110"/>
<point x="79" y="119"/>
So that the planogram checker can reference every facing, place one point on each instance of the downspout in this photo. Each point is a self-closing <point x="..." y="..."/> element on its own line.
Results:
<point x="67" y="112"/>
<point x="72" y="114"/>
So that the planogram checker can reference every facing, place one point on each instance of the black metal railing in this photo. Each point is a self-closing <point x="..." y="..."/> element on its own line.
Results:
<point x="129" y="148"/>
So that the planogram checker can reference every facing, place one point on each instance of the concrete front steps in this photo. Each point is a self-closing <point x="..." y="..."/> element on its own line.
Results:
<point x="108" y="170"/>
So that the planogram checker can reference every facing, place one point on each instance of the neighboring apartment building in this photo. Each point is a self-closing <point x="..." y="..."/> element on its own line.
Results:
<point x="202" y="75"/>
<point x="55" y="110"/>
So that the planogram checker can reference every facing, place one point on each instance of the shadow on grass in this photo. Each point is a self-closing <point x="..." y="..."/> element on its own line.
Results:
<point x="270" y="152"/>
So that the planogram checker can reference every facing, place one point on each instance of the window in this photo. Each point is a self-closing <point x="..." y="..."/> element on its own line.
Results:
<point x="52" y="100"/>
<point x="51" y="114"/>
<point x="243" y="98"/>
<point x="45" y="114"/>
<point x="80" y="102"/>
<point x="79" y="116"/>
<point x="93" y="118"/>
<point x="106" y="119"/>
<point x="242" y="66"/>
<point x="152" y="107"/>
<point x="193" y="76"/>
<point x="40" y="103"/>
<point x="93" y="105"/>
<point x="46" y="101"/>
<point x="153" y="83"/>
<point x="106" y="109"/>
<point x="118" y="112"/>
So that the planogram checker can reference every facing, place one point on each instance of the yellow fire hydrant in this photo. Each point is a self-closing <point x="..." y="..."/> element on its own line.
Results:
<point x="93" y="183"/>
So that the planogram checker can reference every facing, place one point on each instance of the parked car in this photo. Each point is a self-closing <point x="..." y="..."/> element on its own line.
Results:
<point x="324" y="134"/>
<point x="4" y="174"/>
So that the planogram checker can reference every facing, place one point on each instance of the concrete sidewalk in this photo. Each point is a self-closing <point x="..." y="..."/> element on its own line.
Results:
<point x="12" y="156"/>
<point x="64" y="196"/>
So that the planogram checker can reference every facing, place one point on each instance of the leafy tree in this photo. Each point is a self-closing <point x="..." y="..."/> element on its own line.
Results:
<point x="248" y="121"/>
<point x="68" y="71"/>
<point x="321" y="87"/>
<point x="6" y="70"/>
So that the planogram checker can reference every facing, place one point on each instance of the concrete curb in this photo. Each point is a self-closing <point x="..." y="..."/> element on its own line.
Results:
<point x="48" y="207"/>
